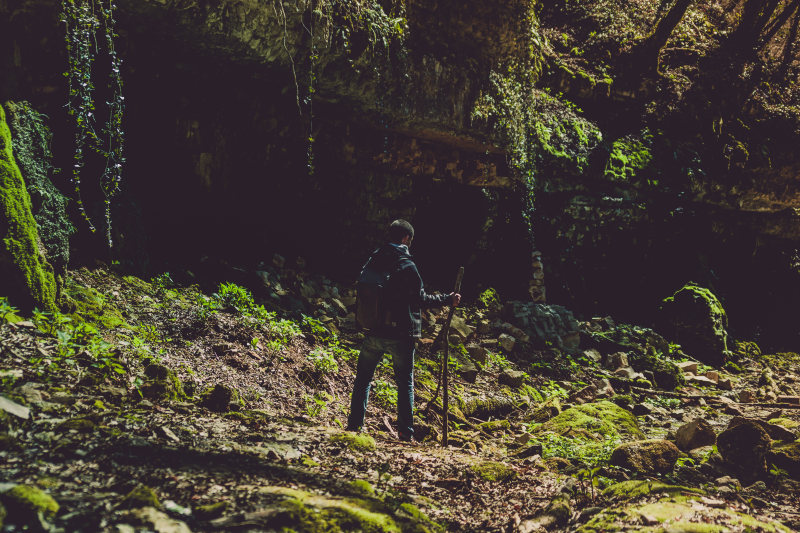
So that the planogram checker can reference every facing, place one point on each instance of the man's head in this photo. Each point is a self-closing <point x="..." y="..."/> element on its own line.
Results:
<point x="399" y="230"/>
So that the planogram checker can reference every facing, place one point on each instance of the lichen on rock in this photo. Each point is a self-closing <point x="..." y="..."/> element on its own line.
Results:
<point x="25" y="275"/>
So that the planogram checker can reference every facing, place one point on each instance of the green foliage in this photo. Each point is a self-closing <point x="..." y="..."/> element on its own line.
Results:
<point x="323" y="360"/>
<point x="316" y="404"/>
<point x="489" y="299"/>
<point x="162" y="283"/>
<point x="664" y="401"/>
<point x="6" y="309"/>
<point x="31" y="145"/>
<point x="630" y="158"/>
<point x="385" y="394"/>
<point x="496" y="360"/>
<point x="586" y="452"/>
<point x="317" y="329"/>
<point x="83" y="20"/>
<point x="76" y="339"/>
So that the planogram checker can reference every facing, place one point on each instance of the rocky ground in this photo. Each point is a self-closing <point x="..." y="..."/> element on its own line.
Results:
<point x="153" y="406"/>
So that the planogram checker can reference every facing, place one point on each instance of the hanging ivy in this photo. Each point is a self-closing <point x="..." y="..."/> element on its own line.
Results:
<point x="89" y="28"/>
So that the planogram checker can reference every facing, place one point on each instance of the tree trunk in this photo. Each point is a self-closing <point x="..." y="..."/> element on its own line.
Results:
<point x="650" y="49"/>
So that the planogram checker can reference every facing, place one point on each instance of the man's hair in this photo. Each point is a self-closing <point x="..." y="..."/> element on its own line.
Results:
<point x="399" y="229"/>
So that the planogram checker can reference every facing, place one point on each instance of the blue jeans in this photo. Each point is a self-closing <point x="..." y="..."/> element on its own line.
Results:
<point x="372" y="352"/>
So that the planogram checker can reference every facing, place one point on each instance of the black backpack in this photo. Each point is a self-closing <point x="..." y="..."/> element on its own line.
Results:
<point x="372" y="310"/>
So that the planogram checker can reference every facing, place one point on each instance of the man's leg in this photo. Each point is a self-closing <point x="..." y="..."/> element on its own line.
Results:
<point x="372" y="351"/>
<point x="403" y="363"/>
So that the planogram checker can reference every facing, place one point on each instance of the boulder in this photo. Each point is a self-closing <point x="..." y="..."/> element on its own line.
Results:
<point x="468" y="372"/>
<point x="744" y="447"/>
<point x="646" y="456"/>
<point x="506" y="342"/>
<point x="512" y="378"/>
<point x="618" y="360"/>
<point x="478" y="353"/>
<point x="218" y="399"/>
<point x="695" y="434"/>
<point x="696" y="319"/>
<point x="787" y="457"/>
<point x="460" y="327"/>
<point x="775" y="431"/>
<point x="24" y="503"/>
<point x="589" y="420"/>
<point x="690" y="367"/>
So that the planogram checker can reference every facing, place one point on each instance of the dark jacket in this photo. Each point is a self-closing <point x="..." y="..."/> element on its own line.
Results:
<point x="404" y="293"/>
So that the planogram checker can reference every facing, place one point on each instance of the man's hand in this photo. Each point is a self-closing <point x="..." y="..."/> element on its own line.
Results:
<point x="455" y="299"/>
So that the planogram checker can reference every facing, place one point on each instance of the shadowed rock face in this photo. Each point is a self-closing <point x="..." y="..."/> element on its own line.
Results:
<point x="218" y="123"/>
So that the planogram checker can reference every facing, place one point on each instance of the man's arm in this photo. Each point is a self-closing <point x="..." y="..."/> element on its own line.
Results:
<point x="416" y="291"/>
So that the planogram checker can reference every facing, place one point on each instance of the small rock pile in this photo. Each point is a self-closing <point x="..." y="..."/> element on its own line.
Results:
<point x="544" y="323"/>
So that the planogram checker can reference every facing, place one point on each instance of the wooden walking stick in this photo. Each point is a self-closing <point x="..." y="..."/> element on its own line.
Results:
<point x="446" y="357"/>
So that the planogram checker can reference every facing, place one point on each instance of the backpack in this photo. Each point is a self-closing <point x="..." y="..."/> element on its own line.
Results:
<point x="371" y="296"/>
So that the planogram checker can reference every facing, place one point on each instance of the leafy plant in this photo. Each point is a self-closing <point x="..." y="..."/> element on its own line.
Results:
<point x="385" y="394"/>
<point x="323" y="360"/>
<point x="6" y="309"/>
<point x="317" y="404"/>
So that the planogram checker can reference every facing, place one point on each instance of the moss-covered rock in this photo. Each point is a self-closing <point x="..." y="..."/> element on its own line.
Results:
<point x="744" y="447"/>
<point x="25" y="275"/>
<point x="87" y="304"/>
<point x="601" y="418"/>
<point x="676" y="513"/>
<point x="630" y="160"/>
<point x="296" y="510"/>
<point x="31" y="145"/>
<point x="646" y="457"/>
<point x="211" y="510"/>
<point x="161" y="383"/>
<point x="634" y="489"/>
<point x="696" y="319"/>
<point x="495" y="426"/>
<point x="493" y="471"/>
<point x="140" y="496"/>
<point x="24" y="502"/>
<point x="787" y="457"/>
<point x="357" y="442"/>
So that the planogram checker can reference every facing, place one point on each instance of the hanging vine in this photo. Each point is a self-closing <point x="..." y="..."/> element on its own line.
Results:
<point x="332" y="24"/>
<point x="83" y="21"/>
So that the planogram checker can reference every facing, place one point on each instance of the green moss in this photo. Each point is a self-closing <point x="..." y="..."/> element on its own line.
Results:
<point x="137" y="283"/>
<point x="141" y="496"/>
<point x="86" y="304"/>
<point x="212" y="510"/>
<point x="25" y="502"/>
<point x="495" y="426"/>
<point x="747" y="349"/>
<point x="788" y="423"/>
<point x="602" y="418"/>
<point x="493" y="471"/>
<point x="27" y="277"/>
<point x="677" y="514"/>
<point x="357" y="442"/>
<point x="303" y="511"/>
<point x="559" y="508"/>
<point x="421" y="522"/>
<point x="635" y="488"/>
<point x="629" y="158"/>
<point x="362" y="487"/>
<point x="31" y="146"/>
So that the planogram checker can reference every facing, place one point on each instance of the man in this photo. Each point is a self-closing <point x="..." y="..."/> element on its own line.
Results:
<point x="404" y="298"/>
